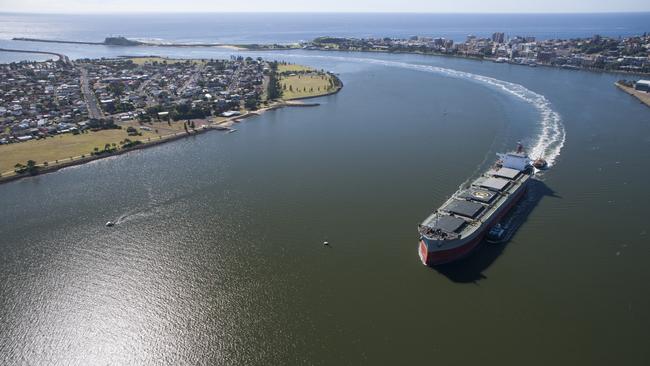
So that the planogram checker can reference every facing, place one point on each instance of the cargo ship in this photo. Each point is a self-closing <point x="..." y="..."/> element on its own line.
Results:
<point x="457" y="228"/>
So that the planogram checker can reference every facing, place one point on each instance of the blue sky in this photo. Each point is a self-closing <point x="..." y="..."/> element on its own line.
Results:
<point x="431" y="6"/>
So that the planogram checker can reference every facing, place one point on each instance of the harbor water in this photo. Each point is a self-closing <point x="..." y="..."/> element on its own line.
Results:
<point x="217" y="254"/>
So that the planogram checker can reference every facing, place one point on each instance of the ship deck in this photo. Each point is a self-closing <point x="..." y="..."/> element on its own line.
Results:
<point x="468" y="209"/>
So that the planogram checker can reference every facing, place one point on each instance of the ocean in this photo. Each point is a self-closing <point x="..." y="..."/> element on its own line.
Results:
<point x="217" y="255"/>
<point x="295" y="27"/>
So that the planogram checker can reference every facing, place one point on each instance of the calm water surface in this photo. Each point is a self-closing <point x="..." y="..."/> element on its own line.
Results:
<point x="217" y="254"/>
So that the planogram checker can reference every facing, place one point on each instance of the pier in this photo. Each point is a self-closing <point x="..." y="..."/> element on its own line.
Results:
<point x="61" y="56"/>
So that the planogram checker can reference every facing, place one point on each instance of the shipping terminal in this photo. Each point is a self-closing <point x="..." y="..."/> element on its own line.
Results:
<point x="459" y="225"/>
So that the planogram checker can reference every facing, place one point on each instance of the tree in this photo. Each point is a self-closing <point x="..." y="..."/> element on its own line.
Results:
<point x="144" y="118"/>
<point x="131" y="131"/>
<point x="251" y="103"/>
<point x="274" y="90"/>
<point x="117" y="88"/>
<point x="19" y="168"/>
<point x="32" y="168"/>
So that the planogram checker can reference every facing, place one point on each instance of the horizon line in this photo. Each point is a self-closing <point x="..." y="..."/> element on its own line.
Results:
<point x="324" y="12"/>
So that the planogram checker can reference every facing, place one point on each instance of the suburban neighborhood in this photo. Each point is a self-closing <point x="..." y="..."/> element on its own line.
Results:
<point x="39" y="99"/>
<point x="61" y="112"/>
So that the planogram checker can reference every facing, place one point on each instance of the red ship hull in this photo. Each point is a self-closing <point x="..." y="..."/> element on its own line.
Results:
<point x="442" y="256"/>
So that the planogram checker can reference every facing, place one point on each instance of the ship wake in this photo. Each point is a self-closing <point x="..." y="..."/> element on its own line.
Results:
<point x="551" y="136"/>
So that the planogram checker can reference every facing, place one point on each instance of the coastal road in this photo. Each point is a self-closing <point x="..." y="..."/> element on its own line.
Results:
<point x="94" y="111"/>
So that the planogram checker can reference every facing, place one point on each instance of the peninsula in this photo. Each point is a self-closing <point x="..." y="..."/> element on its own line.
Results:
<point x="55" y="114"/>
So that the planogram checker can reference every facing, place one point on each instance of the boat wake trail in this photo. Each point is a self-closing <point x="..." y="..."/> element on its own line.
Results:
<point x="552" y="135"/>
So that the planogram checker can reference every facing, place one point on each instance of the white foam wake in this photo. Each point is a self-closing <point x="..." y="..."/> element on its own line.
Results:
<point x="552" y="135"/>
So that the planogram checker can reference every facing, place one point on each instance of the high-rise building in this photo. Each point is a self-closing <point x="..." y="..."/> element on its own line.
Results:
<point x="498" y="37"/>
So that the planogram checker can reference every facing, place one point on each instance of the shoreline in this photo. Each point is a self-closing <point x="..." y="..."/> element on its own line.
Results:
<point x="214" y="126"/>
<point x="474" y="58"/>
<point x="642" y="97"/>
<point x="274" y="47"/>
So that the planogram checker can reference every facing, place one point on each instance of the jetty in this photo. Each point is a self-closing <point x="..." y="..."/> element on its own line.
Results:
<point x="61" y="56"/>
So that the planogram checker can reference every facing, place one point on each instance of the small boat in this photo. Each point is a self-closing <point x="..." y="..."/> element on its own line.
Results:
<point x="540" y="163"/>
<point x="110" y="224"/>
<point x="231" y="130"/>
<point x="326" y="242"/>
<point x="496" y="234"/>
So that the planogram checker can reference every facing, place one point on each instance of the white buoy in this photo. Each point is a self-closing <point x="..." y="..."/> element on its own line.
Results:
<point x="110" y="223"/>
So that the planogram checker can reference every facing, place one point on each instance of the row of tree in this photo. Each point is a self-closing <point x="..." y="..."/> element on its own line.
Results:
<point x="30" y="168"/>
<point x="274" y="90"/>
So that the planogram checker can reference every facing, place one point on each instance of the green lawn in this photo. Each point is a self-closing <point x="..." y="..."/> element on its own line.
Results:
<point x="170" y="61"/>
<point x="62" y="147"/>
<point x="293" y="68"/>
<point x="305" y="85"/>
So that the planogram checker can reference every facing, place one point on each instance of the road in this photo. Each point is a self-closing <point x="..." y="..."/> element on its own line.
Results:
<point x="142" y="91"/>
<point x="192" y="80"/>
<point x="94" y="111"/>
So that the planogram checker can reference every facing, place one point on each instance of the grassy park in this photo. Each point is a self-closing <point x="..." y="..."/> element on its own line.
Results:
<point x="284" y="68"/>
<point x="169" y="61"/>
<point x="63" y="147"/>
<point x="297" y="81"/>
